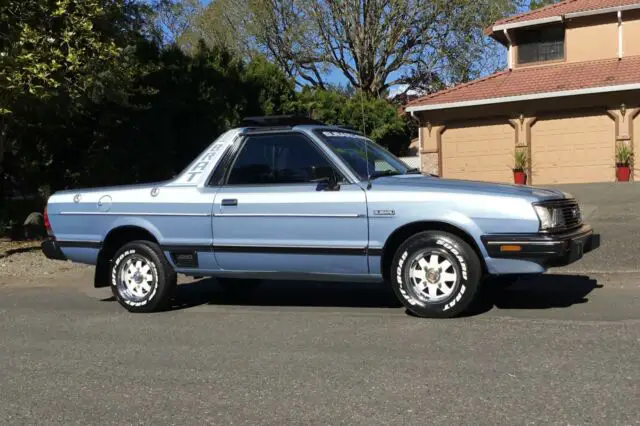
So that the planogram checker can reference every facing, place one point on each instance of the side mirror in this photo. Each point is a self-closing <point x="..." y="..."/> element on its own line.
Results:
<point x="326" y="177"/>
<point x="333" y="184"/>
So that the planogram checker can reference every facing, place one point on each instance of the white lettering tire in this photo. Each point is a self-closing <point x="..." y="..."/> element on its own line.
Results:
<point x="435" y="274"/>
<point x="141" y="278"/>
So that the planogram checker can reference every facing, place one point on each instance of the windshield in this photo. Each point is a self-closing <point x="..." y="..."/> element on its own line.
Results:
<point x="350" y="147"/>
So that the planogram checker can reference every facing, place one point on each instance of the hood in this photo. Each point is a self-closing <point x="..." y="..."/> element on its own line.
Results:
<point x="401" y="182"/>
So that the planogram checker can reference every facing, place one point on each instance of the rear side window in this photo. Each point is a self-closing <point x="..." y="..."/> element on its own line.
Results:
<point x="280" y="159"/>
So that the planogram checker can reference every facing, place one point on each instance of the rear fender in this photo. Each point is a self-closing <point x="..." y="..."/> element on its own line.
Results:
<point x="102" y="276"/>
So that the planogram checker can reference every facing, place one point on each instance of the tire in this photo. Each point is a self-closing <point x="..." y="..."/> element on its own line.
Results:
<point x="172" y="276"/>
<point x="138" y="263"/>
<point x="443" y="286"/>
<point x="237" y="285"/>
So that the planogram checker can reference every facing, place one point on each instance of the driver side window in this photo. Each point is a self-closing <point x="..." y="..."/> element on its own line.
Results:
<point x="280" y="159"/>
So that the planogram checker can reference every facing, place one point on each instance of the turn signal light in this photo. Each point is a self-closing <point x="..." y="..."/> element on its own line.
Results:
<point x="510" y="248"/>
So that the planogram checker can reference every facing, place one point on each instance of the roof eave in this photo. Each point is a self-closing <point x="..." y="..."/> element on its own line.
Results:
<point x="520" y="98"/>
<point x="495" y="30"/>
<point x="603" y="11"/>
<point x="529" y="23"/>
<point x="500" y="37"/>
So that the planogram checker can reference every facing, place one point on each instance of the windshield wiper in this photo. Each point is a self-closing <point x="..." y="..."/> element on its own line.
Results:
<point x="385" y="173"/>
<point x="413" y="171"/>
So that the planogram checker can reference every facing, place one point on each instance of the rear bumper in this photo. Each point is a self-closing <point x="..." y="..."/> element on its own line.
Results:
<point x="51" y="250"/>
<point x="548" y="250"/>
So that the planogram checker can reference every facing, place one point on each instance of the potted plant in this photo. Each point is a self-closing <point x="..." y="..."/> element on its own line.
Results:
<point x="520" y="167"/>
<point x="624" y="157"/>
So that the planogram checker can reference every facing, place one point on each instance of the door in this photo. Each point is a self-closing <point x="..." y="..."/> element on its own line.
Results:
<point x="479" y="151"/>
<point x="276" y="213"/>
<point x="576" y="148"/>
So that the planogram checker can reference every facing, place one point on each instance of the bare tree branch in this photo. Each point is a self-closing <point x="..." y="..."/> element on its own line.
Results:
<point x="374" y="44"/>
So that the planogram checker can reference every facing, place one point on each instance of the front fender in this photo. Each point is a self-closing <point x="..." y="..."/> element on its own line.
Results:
<point x="383" y="228"/>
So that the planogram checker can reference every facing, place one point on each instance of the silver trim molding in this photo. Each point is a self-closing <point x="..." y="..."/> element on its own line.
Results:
<point x="134" y="214"/>
<point x="263" y="246"/>
<point x="536" y="243"/>
<point x="311" y="215"/>
<point x="336" y="216"/>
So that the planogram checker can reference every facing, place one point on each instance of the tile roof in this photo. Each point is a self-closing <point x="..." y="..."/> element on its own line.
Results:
<point x="540" y="79"/>
<point x="564" y="7"/>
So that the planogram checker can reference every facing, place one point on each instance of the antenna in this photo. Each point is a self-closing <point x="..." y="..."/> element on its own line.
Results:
<point x="364" y="132"/>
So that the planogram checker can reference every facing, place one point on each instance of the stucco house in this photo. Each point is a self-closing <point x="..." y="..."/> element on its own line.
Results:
<point x="569" y="96"/>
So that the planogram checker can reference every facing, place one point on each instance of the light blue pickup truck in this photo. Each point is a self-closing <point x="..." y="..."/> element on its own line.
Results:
<point x="291" y="198"/>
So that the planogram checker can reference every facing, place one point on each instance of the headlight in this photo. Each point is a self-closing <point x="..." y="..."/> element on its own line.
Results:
<point x="550" y="217"/>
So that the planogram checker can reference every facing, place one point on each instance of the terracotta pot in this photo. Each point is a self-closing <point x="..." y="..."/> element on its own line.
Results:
<point x="519" y="177"/>
<point x="623" y="173"/>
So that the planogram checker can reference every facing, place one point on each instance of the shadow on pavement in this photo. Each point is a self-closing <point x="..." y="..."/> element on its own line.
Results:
<point x="287" y="293"/>
<point x="541" y="292"/>
<point x="538" y="292"/>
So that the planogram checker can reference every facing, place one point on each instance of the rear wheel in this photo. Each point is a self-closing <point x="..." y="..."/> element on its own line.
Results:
<point x="141" y="278"/>
<point x="435" y="274"/>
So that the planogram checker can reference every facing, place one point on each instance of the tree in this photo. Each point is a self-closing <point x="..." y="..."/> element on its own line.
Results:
<point x="269" y="91"/>
<point x="375" y="117"/>
<point x="56" y="48"/>
<point x="174" y="17"/>
<point x="172" y="107"/>
<point x="374" y="44"/>
<point x="537" y="4"/>
<point x="59" y="55"/>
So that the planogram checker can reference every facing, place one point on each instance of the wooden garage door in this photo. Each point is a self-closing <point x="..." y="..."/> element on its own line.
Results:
<point x="478" y="152"/>
<point x="575" y="149"/>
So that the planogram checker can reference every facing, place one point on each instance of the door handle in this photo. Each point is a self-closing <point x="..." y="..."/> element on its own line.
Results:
<point x="229" y="202"/>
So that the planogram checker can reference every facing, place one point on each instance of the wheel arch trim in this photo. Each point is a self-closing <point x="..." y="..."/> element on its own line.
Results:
<point x="402" y="233"/>
<point x="102" y="275"/>
<point x="132" y="223"/>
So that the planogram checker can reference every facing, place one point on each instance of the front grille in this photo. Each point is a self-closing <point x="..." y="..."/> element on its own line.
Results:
<point x="570" y="210"/>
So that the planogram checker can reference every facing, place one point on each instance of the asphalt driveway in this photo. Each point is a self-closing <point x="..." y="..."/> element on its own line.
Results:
<point x="334" y="355"/>
<point x="614" y="211"/>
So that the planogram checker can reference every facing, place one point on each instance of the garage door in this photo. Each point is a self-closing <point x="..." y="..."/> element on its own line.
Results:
<point x="575" y="149"/>
<point x="478" y="152"/>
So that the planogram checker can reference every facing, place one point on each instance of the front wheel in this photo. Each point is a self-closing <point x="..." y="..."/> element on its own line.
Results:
<point x="141" y="278"/>
<point x="435" y="274"/>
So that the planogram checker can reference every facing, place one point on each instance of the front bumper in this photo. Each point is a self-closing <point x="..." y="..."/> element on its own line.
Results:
<point x="548" y="250"/>
<point x="51" y="250"/>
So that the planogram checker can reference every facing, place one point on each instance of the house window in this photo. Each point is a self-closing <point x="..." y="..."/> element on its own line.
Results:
<point x="540" y="45"/>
